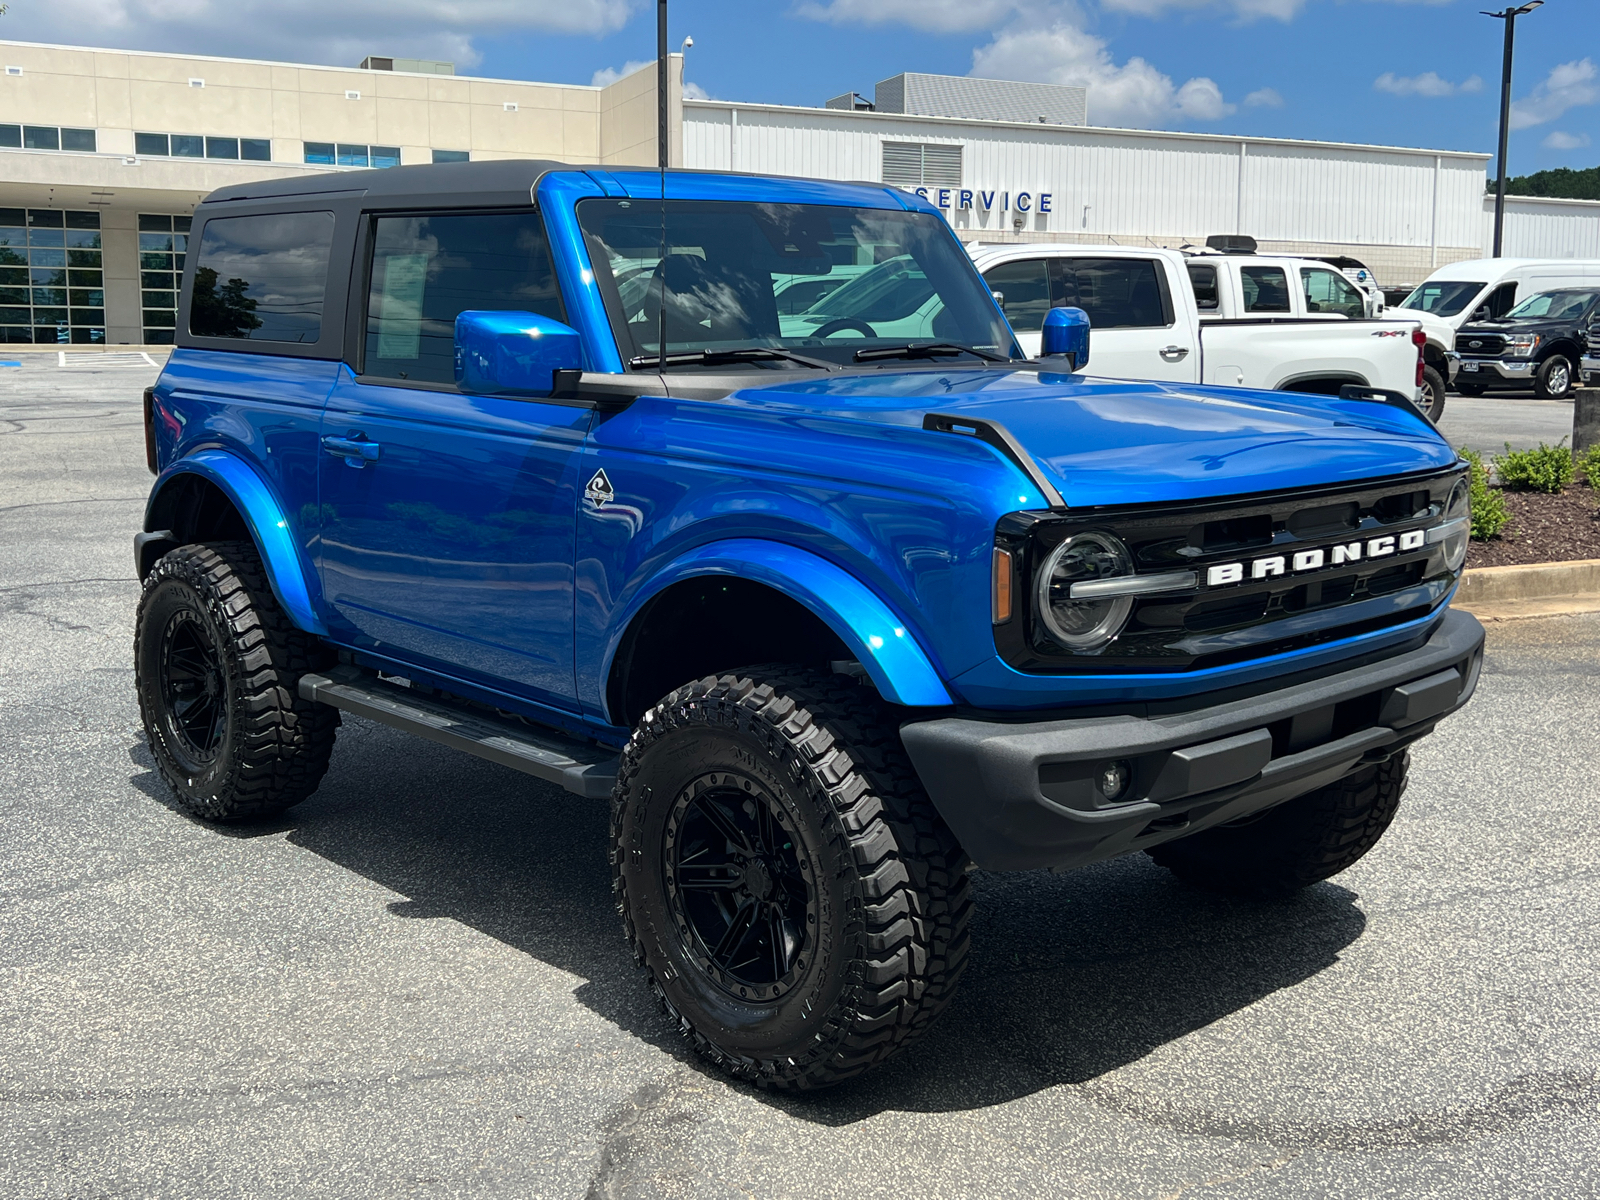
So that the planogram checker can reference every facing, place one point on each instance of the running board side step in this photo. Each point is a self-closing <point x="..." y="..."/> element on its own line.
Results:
<point x="580" y="767"/>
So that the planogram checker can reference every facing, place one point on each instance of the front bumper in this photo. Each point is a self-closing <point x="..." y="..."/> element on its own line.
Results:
<point x="1511" y="370"/>
<point x="1452" y="363"/>
<point x="1589" y="369"/>
<point x="1023" y="794"/>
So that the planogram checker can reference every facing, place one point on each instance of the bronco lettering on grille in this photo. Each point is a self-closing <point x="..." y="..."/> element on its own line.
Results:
<point x="1303" y="562"/>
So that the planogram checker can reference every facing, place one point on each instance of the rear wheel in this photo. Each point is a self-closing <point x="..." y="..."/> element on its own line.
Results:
<point x="1554" y="378"/>
<point x="799" y="908"/>
<point x="217" y="668"/>
<point x="1298" y="843"/>
<point x="1433" y="390"/>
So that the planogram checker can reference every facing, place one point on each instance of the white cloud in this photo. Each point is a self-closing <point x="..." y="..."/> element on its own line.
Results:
<point x="1557" y="140"/>
<point x="937" y="16"/>
<point x="1133" y="94"/>
<point x="1264" y="98"/>
<point x="693" y="91"/>
<point x="606" y="76"/>
<point x="1570" y="85"/>
<point x="339" y="34"/>
<point x="1428" y="83"/>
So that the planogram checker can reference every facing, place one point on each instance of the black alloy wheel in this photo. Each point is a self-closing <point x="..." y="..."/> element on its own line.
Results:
<point x="193" y="690"/>
<point x="797" y="905"/>
<point x="740" y="888"/>
<point x="217" y="668"/>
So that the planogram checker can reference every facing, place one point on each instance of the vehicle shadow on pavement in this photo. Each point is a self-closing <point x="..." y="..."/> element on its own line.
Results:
<point x="1070" y="976"/>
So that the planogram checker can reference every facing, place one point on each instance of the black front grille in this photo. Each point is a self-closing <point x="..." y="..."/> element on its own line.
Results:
<point x="1481" y="345"/>
<point x="1216" y="623"/>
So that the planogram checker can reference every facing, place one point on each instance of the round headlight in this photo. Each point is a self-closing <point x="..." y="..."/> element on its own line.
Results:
<point x="1083" y="624"/>
<point x="1458" y="512"/>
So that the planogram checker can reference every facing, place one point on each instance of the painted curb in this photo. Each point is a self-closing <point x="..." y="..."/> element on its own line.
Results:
<point x="1533" y="590"/>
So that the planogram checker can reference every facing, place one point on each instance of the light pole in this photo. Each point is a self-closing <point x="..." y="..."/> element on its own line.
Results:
<point x="661" y="82"/>
<point x="1509" y="16"/>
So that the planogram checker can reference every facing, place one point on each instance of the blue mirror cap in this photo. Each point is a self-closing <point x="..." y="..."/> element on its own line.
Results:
<point x="1066" y="331"/>
<point x="513" y="353"/>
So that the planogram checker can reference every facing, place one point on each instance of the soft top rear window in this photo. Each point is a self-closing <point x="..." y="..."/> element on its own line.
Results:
<point x="262" y="278"/>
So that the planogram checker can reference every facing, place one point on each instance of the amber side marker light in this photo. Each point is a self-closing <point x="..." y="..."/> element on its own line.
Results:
<point x="1001" y="591"/>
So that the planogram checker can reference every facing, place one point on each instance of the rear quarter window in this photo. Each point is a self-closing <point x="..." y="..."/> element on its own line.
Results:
<point x="262" y="278"/>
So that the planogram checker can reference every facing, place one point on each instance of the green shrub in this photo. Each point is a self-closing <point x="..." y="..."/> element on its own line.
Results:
<point x="1547" y="469"/>
<point x="1590" y="465"/>
<point x="1489" y="512"/>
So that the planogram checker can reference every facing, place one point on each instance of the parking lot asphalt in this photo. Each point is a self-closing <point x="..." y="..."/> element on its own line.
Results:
<point x="414" y="985"/>
<point x="1487" y="423"/>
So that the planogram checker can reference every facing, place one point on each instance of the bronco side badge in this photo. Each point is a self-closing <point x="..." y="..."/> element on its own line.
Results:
<point x="599" y="491"/>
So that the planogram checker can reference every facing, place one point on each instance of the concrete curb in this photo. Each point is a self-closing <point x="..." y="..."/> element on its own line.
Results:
<point x="1536" y="590"/>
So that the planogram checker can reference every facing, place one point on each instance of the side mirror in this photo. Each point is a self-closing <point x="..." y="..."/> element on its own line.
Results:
<point x="1481" y="313"/>
<point x="1000" y="299"/>
<point x="513" y="353"/>
<point x="1066" y="332"/>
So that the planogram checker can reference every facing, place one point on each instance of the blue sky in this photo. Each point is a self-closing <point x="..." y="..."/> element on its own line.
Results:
<point x="1404" y="72"/>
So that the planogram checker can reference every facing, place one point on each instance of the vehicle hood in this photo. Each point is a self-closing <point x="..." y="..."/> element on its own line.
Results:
<point x="1521" y="325"/>
<point x="1134" y="442"/>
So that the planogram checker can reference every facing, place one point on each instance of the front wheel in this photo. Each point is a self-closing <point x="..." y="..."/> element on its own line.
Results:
<point x="798" y="906"/>
<point x="1433" y="390"/>
<point x="1298" y="843"/>
<point x="1554" y="378"/>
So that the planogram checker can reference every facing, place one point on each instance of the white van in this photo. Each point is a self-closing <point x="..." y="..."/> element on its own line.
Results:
<point x="1485" y="289"/>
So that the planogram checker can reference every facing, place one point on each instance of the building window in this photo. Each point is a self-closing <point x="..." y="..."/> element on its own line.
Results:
<point x="342" y="154"/>
<point x="440" y="156"/>
<point x="51" y="286"/>
<point x="911" y="164"/>
<point x="183" y="145"/>
<point x="163" y="242"/>
<point x="47" y="137"/>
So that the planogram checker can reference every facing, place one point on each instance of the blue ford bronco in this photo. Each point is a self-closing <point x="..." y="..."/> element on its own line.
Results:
<point x="741" y="507"/>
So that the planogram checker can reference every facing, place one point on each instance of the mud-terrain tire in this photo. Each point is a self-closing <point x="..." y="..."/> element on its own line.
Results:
<point x="217" y="667"/>
<point x="1298" y="843"/>
<point x="1553" y="380"/>
<point x="1433" y="392"/>
<point x="786" y="795"/>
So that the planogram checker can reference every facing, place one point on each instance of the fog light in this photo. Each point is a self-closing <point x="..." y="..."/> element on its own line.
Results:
<point x="1114" y="778"/>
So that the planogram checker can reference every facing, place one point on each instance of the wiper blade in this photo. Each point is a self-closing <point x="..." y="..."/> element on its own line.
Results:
<point x="710" y="358"/>
<point x="926" y="350"/>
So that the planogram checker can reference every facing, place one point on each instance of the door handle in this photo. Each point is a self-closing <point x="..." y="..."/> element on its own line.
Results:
<point x="355" y="453"/>
<point x="1174" y="353"/>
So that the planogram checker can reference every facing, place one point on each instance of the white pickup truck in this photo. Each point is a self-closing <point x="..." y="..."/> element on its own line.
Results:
<point x="1160" y="314"/>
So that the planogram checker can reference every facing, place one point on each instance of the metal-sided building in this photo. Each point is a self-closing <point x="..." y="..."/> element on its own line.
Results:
<point x="104" y="154"/>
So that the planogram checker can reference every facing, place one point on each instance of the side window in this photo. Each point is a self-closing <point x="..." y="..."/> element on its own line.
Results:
<point x="1266" y="289"/>
<point x="1502" y="300"/>
<point x="263" y="278"/>
<point x="1117" y="293"/>
<point x="427" y="270"/>
<point x="1025" y="287"/>
<point x="1329" y="291"/>
<point x="1203" y="278"/>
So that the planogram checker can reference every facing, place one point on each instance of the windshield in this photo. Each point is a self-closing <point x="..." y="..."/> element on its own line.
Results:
<point x="1442" y="299"/>
<point x="1554" y="306"/>
<point x="822" y="281"/>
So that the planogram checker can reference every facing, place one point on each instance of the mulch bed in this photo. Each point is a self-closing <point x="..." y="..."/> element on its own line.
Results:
<point x="1543" y="528"/>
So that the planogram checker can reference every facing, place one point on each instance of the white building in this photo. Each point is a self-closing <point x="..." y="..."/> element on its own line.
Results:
<point x="105" y="153"/>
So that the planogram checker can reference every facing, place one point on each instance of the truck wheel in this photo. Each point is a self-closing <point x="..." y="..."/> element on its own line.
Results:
<point x="1433" y="390"/>
<point x="799" y="908"/>
<point x="1554" y="378"/>
<point x="217" y="666"/>
<point x="1298" y="843"/>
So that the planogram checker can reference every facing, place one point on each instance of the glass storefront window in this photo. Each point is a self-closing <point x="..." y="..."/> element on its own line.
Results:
<point x="37" y="246"/>
<point x="163" y="240"/>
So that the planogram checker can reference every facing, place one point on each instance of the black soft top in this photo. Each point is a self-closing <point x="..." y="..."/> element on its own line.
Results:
<point x="502" y="181"/>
